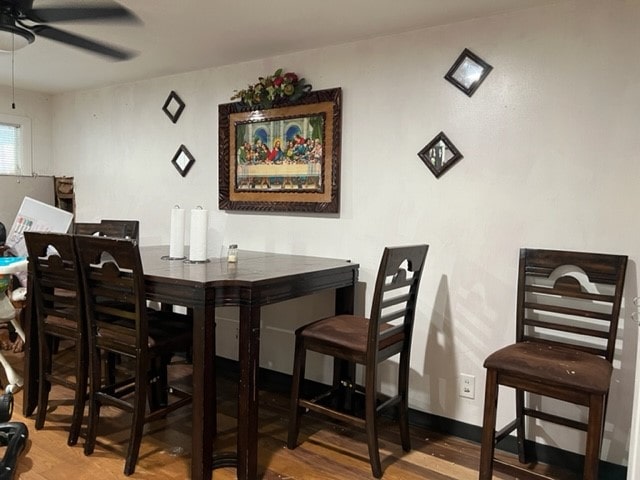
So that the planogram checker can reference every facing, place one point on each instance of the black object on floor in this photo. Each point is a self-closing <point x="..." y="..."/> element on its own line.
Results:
<point x="13" y="436"/>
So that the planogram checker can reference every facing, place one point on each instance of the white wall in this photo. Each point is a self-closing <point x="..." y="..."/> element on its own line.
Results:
<point x="550" y="144"/>
<point x="37" y="107"/>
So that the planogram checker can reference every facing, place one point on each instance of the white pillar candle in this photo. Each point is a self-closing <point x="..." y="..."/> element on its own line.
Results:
<point x="198" y="235"/>
<point x="176" y="243"/>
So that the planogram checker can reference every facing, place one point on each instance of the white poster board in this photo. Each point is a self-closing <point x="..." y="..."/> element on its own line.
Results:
<point x="37" y="216"/>
<point x="634" y="446"/>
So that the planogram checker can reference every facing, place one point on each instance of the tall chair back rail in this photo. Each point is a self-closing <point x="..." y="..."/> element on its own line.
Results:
<point x="567" y="310"/>
<point x="110" y="228"/>
<point x="119" y="321"/>
<point x="131" y="228"/>
<point x="59" y="304"/>
<point x="352" y="339"/>
<point x="85" y="228"/>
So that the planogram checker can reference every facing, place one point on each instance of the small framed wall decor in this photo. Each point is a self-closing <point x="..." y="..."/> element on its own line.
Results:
<point x="440" y="154"/>
<point x="468" y="72"/>
<point x="183" y="160"/>
<point x="173" y="106"/>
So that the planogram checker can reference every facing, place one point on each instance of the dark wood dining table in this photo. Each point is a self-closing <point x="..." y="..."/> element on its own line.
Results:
<point x="257" y="279"/>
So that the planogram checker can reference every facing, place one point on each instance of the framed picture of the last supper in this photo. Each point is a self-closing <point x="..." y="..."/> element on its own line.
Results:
<point x="285" y="158"/>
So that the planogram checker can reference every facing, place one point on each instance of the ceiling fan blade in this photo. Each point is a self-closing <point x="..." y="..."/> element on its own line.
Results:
<point x="82" y="42"/>
<point x="102" y="11"/>
<point x="23" y="5"/>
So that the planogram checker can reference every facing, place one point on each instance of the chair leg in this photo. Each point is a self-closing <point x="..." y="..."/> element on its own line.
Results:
<point x="487" y="446"/>
<point x="137" y="423"/>
<point x="344" y="383"/>
<point x="55" y="345"/>
<point x="80" y="392"/>
<point x="403" y="391"/>
<point x="371" y="422"/>
<point x="296" y="381"/>
<point x="520" y="429"/>
<point x="44" y="386"/>
<point x="156" y="392"/>
<point x="92" y="426"/>
<point x="595" y="428"/>
<point x="109" y="367"/>
<point x="95" y="381"/>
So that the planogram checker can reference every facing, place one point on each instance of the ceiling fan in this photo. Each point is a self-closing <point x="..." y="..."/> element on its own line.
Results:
<point x="20" y="23"/>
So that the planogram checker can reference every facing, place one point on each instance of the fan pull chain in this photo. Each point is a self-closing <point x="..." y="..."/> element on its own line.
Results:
<point x="13" y="81"/>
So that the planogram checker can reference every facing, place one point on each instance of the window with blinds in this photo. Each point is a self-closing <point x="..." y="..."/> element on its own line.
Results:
<point x="15" y="145"/>
<point x="10" y="149"/>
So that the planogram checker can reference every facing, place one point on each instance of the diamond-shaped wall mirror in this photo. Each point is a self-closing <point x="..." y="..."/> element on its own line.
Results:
<point x="440" y="154"/>
<point x="183" y="160"/>
<point x="173" y="106"/>
<point x="468" y="72"/>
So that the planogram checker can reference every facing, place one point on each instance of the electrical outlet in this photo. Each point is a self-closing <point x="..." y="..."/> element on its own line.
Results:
<point x="467" y="386"/>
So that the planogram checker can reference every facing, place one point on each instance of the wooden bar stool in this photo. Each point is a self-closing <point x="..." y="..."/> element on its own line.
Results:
<point x="59" y="304"/>
<point x="367" y="341"/>
<point x="567" y="313"/>
<point x="120" y="322"/>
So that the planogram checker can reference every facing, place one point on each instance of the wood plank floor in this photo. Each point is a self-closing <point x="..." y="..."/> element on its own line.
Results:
<point x="326" y="451"/>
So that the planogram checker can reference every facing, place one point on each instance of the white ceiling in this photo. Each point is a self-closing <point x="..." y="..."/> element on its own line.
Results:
<point x="175" y="36"/>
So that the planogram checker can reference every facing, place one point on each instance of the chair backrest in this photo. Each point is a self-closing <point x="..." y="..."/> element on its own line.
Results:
<point x="56" y="285"/>
<point x="110" y="228"/>
<point x="83" y="228"/>
<point x="113" y="283"/>
<point x="130" y="228"/>
<point x="394" y="297"/>
<point x="570" y="298"/>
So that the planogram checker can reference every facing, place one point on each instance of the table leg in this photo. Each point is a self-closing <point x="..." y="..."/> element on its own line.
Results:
<point x="30" y="389"/>
<point x="345" y="300"/>
<point x="204" y="424"/>
<point x="249" y="360"/>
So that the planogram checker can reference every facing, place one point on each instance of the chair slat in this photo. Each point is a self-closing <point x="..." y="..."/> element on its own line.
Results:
<point x="591" y="332"/>
<point x="567" y="311"/>
<point x="570" y="293"/>
<point x="397" y="284"/>
<point x="390" y="332"/>
<point x="389" y="302"/>
<point x="391" y="316"/>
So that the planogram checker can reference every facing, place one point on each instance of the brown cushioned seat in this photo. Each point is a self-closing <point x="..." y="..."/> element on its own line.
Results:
<point x="346" y="331"/>
<point x="553" y="364"/>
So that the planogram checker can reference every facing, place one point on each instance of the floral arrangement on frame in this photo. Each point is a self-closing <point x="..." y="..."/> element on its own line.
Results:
<point x="276" y="89"/>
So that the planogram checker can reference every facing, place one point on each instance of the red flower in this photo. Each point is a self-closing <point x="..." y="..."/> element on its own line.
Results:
<point x="291" y="77"/>
<point x="278" y="81"/>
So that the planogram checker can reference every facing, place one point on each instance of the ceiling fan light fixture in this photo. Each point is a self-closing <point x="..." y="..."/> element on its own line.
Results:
<point x="14" y="38"/>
